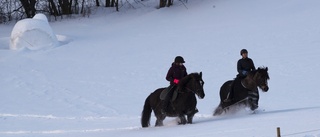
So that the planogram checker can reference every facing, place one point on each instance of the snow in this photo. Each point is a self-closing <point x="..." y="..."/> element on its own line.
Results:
<point x="95" y="83"/>
<point x="33" y="34"/>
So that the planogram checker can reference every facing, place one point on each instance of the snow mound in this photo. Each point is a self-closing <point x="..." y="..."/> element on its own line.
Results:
<point x="33" y="34"/>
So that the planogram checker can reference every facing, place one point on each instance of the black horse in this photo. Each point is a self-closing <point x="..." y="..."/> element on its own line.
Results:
<point x="184" y="104"/>
<point x="245" y="90"/>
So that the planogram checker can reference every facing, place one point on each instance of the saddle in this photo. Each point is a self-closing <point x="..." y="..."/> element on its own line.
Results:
<point x="166" y="91"/>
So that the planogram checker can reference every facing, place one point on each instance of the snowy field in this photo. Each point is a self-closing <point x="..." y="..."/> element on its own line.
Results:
<point x="95" y="82"/>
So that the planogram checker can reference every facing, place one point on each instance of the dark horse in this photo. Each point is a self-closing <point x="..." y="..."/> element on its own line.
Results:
<point x="184" y="104"/>
<point x="245" y="90"/>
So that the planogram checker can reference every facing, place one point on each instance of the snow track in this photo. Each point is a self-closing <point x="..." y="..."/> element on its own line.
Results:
<point x="87" y="124"/>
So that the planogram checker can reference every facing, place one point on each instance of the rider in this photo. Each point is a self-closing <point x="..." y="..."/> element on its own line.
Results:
<point x="176" y="72"/>
<point x="244" y="65"/>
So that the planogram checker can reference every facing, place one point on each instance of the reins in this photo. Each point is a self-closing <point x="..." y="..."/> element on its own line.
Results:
<point x="255" y="82"/>
<point x="185" y="88"/>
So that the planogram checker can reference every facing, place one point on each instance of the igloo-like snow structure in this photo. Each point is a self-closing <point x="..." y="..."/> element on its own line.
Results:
<point x="33" y="34"/>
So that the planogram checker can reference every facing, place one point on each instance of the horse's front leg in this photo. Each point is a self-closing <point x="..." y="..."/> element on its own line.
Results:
<point x="253" y="99"/>
<point x="183" y="119"/>
<point x="190" y="118"/>
<point x="190" y="115"/>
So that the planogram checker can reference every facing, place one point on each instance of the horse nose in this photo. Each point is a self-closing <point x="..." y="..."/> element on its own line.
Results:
<point x="201" y="96"/>
<point x="266" y="88"/>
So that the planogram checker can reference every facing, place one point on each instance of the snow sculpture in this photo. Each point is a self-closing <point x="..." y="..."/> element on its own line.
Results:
<point x="33" y="34"/>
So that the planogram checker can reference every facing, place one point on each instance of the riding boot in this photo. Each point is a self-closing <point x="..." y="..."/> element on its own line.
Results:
<point x="165" y="103"/>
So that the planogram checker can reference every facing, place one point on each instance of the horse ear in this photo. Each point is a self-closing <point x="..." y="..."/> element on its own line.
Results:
<point x="266" y="68"/>
<point x="200" y="74"/>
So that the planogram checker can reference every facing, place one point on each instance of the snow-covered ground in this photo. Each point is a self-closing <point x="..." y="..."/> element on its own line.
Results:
<point x="94" y="84"/>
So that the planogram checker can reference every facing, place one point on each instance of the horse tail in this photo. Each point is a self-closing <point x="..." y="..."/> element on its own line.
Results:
<point x="146" y="113"/>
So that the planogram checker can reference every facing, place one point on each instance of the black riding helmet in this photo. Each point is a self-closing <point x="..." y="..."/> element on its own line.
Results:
<point x="243" y="51"/>
<point x="178" y="59"/>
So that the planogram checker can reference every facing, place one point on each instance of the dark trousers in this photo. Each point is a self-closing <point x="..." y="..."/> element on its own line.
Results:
<point x="165" y="103"/>
<point x="231" y="93"/>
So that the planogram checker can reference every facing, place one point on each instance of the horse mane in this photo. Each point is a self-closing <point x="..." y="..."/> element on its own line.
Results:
<point x="186" y="79"/>
<point x="263" y="71"/>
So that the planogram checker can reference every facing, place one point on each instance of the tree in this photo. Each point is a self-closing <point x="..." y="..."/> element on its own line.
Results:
<point x="29" y="7"/>
<point x="53" y="8"/>
<point x="164" y="3"/>
<point x="65" y="6"/>
<point x="97" y="3"/>
<point x="20" y="9"/>
<point x="113" y="3"/>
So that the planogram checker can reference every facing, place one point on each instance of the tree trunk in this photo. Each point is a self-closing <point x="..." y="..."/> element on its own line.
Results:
<point x="162" y="3"/>
<point x="97" y="3"/>
<point x="70" y="7"/>
<point x="29" y="7"/>
<point x="65" y="6"/>
<point x="82" y="8"/>
<point x="112" y="3"/>
<point x="117" y="5"/>
<point x="108" y="3"/>
<point x="53" y="9"/>
<point x="170" y="2"/>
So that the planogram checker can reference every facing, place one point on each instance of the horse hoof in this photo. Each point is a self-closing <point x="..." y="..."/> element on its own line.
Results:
<point x="253" y="107"/>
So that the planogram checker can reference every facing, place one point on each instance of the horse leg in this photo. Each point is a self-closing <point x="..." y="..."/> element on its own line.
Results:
<point x="159" y="122"/>
<point x="253" y="100"/>
<point x="190" y="118"/>
<point x="183" y="120"/>
<point x="218" y="110"/>
<point x="190" y="115"/>
<point x="160" y="118"/>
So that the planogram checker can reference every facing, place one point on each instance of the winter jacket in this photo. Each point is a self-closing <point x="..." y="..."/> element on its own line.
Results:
<point x="245" y="65"/>
<point x="176" y="72"/>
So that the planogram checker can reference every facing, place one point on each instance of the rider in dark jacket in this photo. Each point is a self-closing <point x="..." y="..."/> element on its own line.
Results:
<point x="176" y="72"/>
<point x="244" y="66"/>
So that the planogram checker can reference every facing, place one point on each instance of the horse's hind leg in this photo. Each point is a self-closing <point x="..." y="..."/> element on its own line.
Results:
<point x="219" y="110"/>
<point x="159" y="121"/>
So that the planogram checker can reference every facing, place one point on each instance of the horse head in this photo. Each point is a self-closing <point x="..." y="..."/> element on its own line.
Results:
<point x="194" y="83"/>
<point x="261" y="77"/>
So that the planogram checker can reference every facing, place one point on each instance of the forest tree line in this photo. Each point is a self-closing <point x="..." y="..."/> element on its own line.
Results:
<point x="20" y="9"/>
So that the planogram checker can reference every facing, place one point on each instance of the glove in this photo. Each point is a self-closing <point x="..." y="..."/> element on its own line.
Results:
<point x="244" y="72"/>
<point x="176" y="81"/>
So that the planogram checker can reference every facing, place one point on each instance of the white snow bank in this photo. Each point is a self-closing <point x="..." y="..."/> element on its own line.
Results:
<point x="33" y="34"/>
